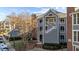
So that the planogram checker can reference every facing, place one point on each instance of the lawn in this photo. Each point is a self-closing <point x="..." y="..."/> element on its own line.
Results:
<point x="18" y="45"/>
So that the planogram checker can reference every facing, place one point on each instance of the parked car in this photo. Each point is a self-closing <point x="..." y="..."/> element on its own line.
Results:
<point x="3" y="47"/>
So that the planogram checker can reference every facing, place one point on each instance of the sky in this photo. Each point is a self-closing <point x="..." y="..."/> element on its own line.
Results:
<point x="4" y="11"/>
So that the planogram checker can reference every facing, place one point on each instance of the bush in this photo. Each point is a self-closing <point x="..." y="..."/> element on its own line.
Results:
<point x="64" y="45"/>
<point x="51" y="46"/>
<point x="14" y="38"/>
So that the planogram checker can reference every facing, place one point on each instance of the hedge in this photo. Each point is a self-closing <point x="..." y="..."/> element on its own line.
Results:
<point x="14" y="38"/>
<point x="51" y="46"/>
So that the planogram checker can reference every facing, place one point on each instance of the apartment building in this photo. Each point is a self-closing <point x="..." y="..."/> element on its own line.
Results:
<point x="73" y="41"/>
<point x="51" y="27"/>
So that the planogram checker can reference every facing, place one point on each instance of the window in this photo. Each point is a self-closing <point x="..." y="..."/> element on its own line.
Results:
<point x="50" y="14"/>
<point x="75" y="35"/>
<point x="40" y="21"/>
<point x="41" y="28"/>
<point x="52" y="19"/>
<point x="74" y="18"/>
<point x="78" y="18"/>
<point x="62" y="37"/>
<point x="46" y="27"/>
<point x="62" y="20"/>
<point x="40" y="37"/>
<point x="62" y="28"/>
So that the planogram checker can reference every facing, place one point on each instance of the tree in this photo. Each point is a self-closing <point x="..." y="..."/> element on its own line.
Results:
<point x="34" y="26"/>
<point x="25" y="23"/>
<point x="20" y="22"/>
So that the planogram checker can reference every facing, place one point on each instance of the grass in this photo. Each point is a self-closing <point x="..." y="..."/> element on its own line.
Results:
<point x="18" y="45"/>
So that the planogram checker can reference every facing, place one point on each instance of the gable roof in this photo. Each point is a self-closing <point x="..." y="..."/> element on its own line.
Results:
<point x="54" y="11"/>
<point x="51" y="10"/>
<point x="14" y="33"/>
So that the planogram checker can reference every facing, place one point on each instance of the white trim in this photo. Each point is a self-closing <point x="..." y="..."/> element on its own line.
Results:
<point x="75" y="30"/>
<point x="57" y="25"/>
<point x="72" y="31"/>
<point x="75" y="24"/>
<point x="76" y="18"/>
<point x="76" y="41"/>
<point x="43" y="29"/>
<point x="38" y="33"/>
<point x="74" y="12"/>
<point x="66" y="28"/>
<point x="77" y="36"/>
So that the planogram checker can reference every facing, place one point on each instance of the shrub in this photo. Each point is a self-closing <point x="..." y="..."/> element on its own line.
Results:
<point x="14" y="38"/>
<point x="51" y="46"/>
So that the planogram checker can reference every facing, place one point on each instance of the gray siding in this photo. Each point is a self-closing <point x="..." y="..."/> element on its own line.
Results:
<point x="63" y="32"/>
<point x="51" y="37"/>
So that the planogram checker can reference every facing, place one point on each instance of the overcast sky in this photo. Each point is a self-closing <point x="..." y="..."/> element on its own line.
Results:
<point x="4" y="11"/>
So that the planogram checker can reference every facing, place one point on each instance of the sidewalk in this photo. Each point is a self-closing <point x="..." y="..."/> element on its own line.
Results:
<point x="41" y="49"/>
<point x="37" y="49"/>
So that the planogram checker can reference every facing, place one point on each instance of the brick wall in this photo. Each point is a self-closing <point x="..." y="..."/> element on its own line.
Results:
<point x="69" y="27"/>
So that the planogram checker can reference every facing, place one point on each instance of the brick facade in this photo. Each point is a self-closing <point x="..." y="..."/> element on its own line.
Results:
<point x="69" y="27"/>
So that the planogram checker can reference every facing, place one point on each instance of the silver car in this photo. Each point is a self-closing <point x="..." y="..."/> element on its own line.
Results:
<point x="3" y="47"/>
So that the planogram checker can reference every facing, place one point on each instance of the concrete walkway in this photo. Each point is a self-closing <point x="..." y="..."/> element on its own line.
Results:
<point x="37" y="49"/>
<point x="41" y="49"/>
<point x="65" y="49"/>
